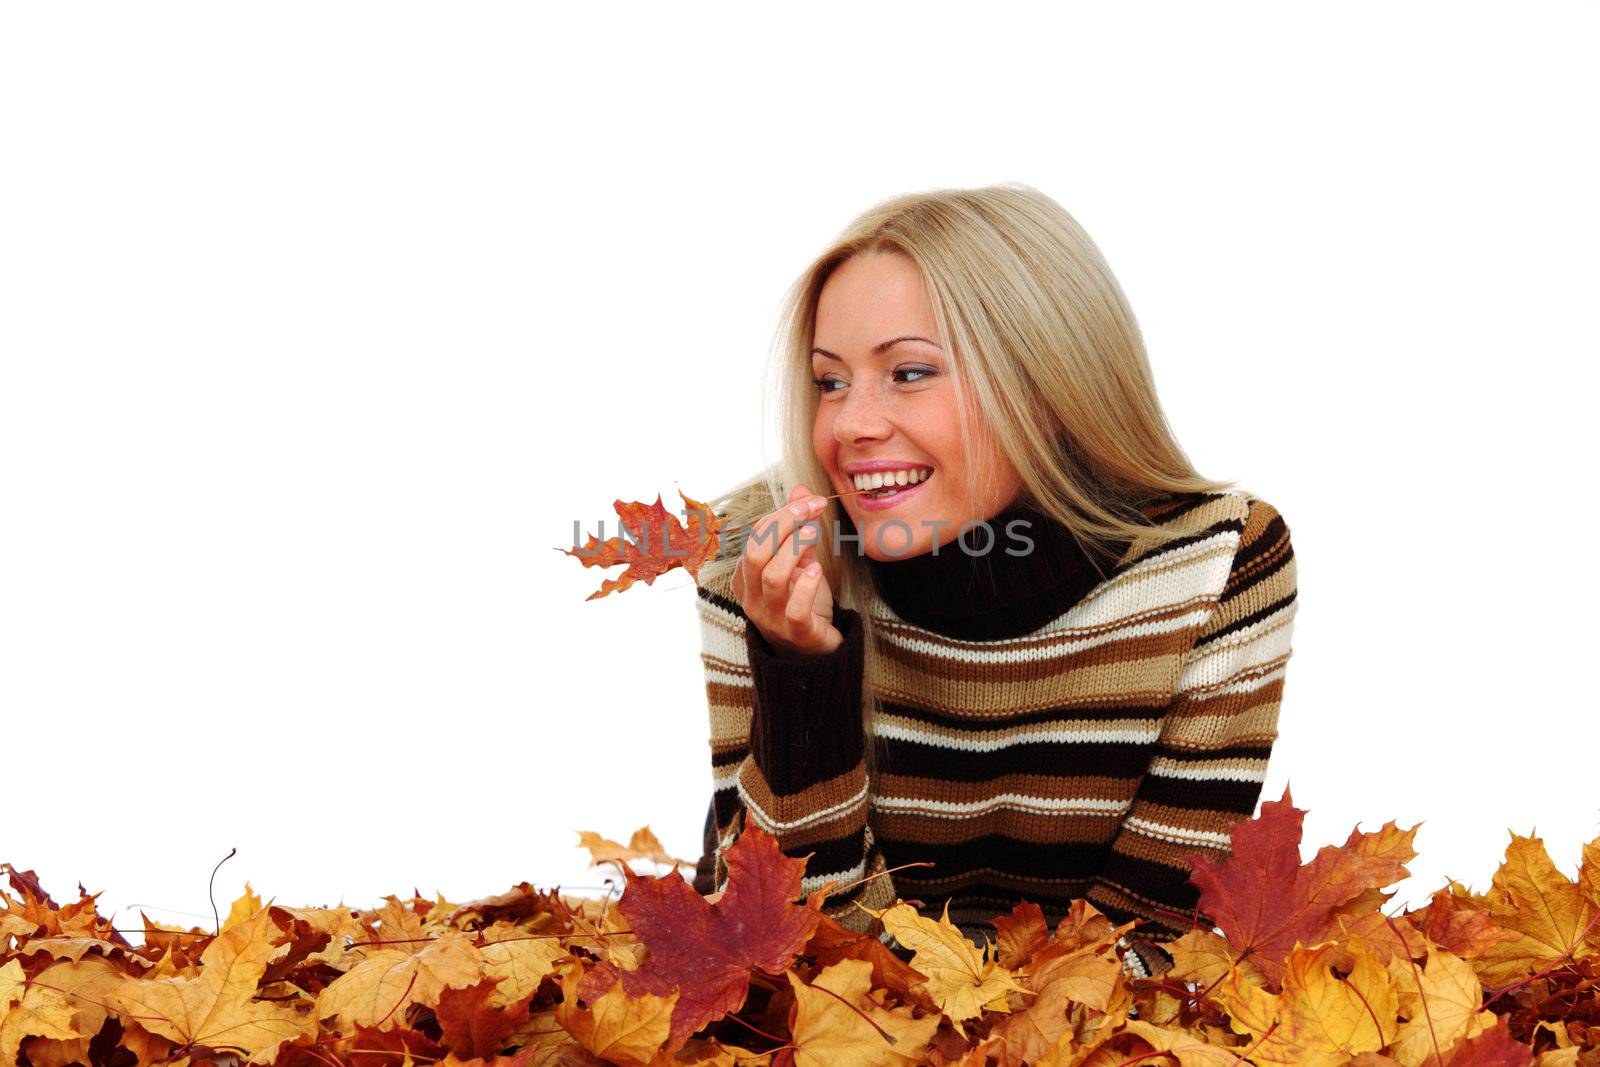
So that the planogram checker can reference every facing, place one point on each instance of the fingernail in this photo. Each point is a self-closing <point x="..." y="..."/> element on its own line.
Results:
<point x="816" y="503"/>
<point x="799" y="507"/>
<point x="813" y="567"/>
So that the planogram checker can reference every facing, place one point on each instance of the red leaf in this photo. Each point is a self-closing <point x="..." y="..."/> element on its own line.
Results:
<point x="1495" y="1047"/>
<point x="470" y="1026"/>
<point x="707" y="951"/>
<point x="659" y="542"/>
<point x="1265" y="900"/>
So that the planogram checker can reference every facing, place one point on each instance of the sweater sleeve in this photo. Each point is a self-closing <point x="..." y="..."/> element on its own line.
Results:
<point x="788" y="754"/>
<point x="1209" y="762"/>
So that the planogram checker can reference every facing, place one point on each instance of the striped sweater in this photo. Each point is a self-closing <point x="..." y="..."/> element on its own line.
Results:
<point x="1045" y="728"/>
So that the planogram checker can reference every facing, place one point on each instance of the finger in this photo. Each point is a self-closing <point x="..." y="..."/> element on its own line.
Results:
<point x="777" y="577"/>
<point x="822" y="602"/>
<point x="772" y="531"/>
<point x="797" y="613"/>
<point x="808" y="533"/>
<point x="805" y="543"/>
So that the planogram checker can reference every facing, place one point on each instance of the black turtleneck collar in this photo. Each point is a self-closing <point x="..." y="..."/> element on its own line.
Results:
<point x="976" y="595"/>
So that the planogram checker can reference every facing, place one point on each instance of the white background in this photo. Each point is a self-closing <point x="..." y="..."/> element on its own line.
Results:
<point x="321" y="323"/>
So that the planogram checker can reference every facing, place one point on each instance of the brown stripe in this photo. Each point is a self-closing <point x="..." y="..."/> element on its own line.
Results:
<point x="823" y="795"/>
<point x="1052" y="830"/>
<point x="982" y="878"/>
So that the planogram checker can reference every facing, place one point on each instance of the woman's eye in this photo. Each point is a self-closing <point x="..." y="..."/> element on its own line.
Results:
<point x="822" y="384"/>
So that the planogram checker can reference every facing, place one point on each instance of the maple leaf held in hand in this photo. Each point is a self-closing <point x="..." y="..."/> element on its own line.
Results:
<point x="657" y="543"/>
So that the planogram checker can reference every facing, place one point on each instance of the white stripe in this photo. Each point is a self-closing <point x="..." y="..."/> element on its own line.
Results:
<point x="950" y="809"/>
<point x="979" y="742"/>
<point x="775" y="826"/>
<point x="1261" y="642"/>
<point x="1194" y="570"/>
<point x="1254" y="771"/>
<point x="812" y="882"/>
<point x="1010" y="650"/>
<point x="725" y="781"/>
<point x="1174" y="833"/>
<point x="1243" y="685"/>
<point x="716" y="641"/>
<point x="741" y="680"/>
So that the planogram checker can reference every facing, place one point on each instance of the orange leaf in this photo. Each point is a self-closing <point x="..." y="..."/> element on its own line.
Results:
<point x="657" y="543"/>
<point x="644" y="845"/>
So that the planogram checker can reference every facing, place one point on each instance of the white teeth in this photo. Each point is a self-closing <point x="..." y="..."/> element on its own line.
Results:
<point x="880" y="479"/>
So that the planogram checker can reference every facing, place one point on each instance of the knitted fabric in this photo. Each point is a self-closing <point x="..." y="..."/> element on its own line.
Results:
<point x="1047" y="727"/>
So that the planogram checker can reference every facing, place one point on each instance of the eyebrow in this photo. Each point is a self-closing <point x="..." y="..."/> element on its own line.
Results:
<point x="877" y="349"/>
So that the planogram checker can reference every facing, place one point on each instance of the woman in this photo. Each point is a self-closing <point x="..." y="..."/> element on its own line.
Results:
<point x="1045" y="654"/>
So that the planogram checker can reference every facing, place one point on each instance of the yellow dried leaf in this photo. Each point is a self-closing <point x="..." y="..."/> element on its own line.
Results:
<point x="961" y="982"/>
<point x="1454" y="997"/>
<point x="617" y="1028"/>
<point x="520" y="962"/>
<point x="379" y="989"/>
<point x="218" y="1008"/>
<point x="828" y="1032"/>
<point x="30" y="1011"/>
<point x="1317" y="1018"/>
<point x="1547" y="910"/>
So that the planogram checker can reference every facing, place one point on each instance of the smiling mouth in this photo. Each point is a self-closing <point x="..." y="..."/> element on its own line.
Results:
<point x="893" y="489"/>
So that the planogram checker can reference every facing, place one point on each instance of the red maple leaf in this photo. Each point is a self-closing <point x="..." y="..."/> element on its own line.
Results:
<point x="656" y="543"/>
<point x="472" y="1027"/>
<point x="707" y="951"/>
<point x="1265" y="900"/>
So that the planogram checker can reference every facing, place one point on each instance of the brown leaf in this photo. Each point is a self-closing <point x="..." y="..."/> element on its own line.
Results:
<point x="1020" y="934"/>
<point x="832" y="942"/>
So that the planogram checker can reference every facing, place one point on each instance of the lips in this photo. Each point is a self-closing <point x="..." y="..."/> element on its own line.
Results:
<point x="868" y="502"/>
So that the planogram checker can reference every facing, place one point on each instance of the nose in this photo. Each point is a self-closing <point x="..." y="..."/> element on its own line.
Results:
<point x="860" y="416"/>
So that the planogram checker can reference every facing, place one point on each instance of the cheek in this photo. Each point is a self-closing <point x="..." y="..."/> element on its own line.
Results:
<point x="821" y="439"/>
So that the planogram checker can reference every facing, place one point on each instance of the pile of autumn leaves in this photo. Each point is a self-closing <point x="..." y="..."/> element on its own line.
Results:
<point x="1305" y="969"/>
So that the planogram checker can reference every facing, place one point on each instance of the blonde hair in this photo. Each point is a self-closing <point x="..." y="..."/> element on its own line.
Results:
<point x="1042" y="344"/>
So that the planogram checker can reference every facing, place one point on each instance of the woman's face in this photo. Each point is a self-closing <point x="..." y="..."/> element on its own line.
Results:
<point x="887" y="400"/>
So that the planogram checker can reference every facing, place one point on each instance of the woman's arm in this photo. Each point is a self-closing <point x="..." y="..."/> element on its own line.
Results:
<point x="1216" y="737"/>
<point x="788" y="755"/>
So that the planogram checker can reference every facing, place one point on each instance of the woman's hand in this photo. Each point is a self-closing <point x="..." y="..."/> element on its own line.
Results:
<point x="781" y="587"/>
